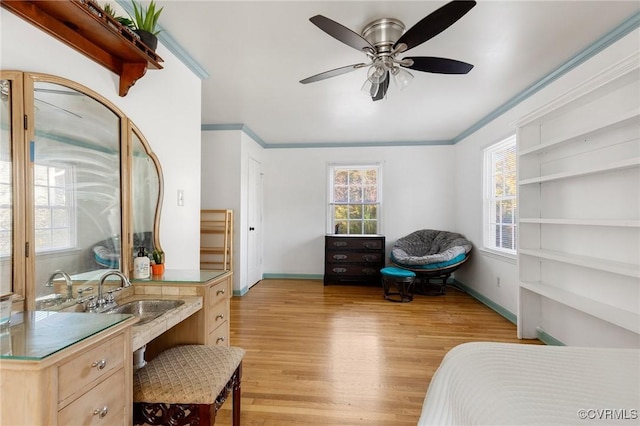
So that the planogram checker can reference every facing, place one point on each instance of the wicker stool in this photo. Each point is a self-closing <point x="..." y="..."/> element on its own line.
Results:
<point x="186" y="385"/>
<point x="401" y="279"/>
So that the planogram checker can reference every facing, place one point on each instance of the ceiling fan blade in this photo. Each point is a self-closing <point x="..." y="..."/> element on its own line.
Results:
<point x="332" y="73"/>
<point x="434" y="23"/>
<point x="438" y="65"/>
<point x="382" y="89"/>
<point x="341" y="33"/>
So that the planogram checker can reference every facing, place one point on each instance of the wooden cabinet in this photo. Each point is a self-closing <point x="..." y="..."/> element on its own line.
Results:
<point x="216" y="239"/>
<point x="353" y="259"/>
<point x="217" y="307"/>
<point x="209" y="325"/>
<point x="89" y="382"/>
<point x="579" y="218"/>
<point x="84" y="26"/>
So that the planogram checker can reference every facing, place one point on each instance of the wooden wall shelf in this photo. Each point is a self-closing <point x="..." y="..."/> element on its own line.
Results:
<point x="84" y="26"/>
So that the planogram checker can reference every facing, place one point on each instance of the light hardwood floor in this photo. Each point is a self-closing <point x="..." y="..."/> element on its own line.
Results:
<point x="342" y="355"/>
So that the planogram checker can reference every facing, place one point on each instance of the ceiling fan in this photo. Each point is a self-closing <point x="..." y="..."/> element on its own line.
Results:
<point x="383" y="40"/>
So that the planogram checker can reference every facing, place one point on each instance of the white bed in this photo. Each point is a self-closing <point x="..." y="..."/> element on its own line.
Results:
<point x="485" y="383"/>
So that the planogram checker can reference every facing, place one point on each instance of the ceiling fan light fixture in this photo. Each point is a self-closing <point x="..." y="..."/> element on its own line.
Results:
<point x="377" y="72"/>
<point x="370" y="89"/>
<point x="401" y="77"/>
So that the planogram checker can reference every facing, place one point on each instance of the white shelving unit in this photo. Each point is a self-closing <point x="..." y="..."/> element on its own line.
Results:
<point x="579" y="207"/>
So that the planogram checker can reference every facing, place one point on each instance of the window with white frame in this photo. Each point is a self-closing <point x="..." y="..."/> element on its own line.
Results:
<point x="355" y="198"/>
<point x="54" y="213"/>
<point x="500" y="209"/>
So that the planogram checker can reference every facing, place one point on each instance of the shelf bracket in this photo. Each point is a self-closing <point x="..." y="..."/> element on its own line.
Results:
<point x="131" y="72"/>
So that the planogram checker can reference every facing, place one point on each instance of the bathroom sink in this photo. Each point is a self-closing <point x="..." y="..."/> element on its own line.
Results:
<point x="146" y="310"/>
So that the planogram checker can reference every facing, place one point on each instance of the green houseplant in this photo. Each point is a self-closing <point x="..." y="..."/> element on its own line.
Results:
<point x="145" y="23"/>
<point x="157" y="267"/>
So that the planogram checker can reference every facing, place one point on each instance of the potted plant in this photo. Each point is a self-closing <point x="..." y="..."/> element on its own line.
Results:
<point x="126" y="23"/>
<point x="157" y="267"/>
<point x="145" y="22"/>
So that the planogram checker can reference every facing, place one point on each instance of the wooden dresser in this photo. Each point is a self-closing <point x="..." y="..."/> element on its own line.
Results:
<point x="67" y="368"/>
<point x="353" y="258"/>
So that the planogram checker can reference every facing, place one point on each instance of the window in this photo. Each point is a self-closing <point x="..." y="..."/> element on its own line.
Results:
<point x="54" y="212"/>
<point x="500" y="210"/>
<point x="355" y="199"/>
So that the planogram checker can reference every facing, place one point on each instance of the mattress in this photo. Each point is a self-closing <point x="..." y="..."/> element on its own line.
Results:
<point x="484" y="383"/>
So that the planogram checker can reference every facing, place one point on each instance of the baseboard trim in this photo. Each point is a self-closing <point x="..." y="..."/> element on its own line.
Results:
<point x="292" y="277"/>
<point x="485" y="300"/>
<point x="548" y="339"/>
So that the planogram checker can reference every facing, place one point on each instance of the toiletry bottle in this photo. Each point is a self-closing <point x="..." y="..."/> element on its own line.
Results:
<point x="141" y="265"/>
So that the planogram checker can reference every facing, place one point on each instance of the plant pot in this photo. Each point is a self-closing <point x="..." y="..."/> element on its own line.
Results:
<point x="157" y="269"/>
<point x="149" y="39"/>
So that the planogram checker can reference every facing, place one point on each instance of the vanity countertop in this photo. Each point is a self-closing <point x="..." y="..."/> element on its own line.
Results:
<point x="36" y="335"/>
<point x="144" y="333"/>
<point x="182" y="277"/>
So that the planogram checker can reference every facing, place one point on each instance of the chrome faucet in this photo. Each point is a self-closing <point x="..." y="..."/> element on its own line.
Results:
<point x="67" y="279"/>
<point x="101" y="300"/>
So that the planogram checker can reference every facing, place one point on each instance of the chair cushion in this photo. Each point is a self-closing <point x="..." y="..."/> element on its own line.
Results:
<point x="429" y="246"/>
<point x="392" y="271"/>
<point x="188" y="374"/>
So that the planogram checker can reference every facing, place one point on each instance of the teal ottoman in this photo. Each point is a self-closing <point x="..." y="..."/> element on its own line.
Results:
<point x="397" y="284"/>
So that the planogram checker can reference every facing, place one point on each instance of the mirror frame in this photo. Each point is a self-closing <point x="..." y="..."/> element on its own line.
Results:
<point x="134" y="130"/>
<point x="24" y="286"/>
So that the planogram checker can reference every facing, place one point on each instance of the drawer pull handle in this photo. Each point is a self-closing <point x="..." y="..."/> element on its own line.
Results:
<point x="339" y="270"/>
<point x="219" y="316"/>
<point x="369" y="245"/>
<point x="102" y="412"/>
<point x="339" y="256"/>
<point x="339" y="243"/>
<point x="99" y="364"/>
<point x="369" y="258"/>
<point x="219" y="292"/>
<point x="219" y="339"/>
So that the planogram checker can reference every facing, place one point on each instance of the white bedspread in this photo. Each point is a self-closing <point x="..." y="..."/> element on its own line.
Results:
<point x="512" y="384"/>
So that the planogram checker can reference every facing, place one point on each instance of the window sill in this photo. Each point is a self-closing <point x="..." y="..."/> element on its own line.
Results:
<point x="494" y="254"/>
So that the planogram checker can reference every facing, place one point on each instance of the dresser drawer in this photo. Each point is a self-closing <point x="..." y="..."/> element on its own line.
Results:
<point x="353" y="257"/>
<point x="352" y="270"/>
<point x="89" y="366"/>
<point x="218" y="293"/>
<point x="354" y="243"/>
<point x="218" y="314"/>
<point x="220" y="336"/>
<point x="102" y="405"/>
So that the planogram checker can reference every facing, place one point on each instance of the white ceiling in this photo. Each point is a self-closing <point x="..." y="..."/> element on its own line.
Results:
<point x="256" y="53"/>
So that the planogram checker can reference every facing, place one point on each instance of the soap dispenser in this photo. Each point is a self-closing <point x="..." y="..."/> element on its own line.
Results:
<point x="141" y="265"/>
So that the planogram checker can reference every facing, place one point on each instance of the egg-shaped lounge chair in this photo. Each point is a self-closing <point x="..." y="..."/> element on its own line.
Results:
<point x="432" y="255"/>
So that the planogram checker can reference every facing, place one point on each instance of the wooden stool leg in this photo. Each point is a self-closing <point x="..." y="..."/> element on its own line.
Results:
<point x="237" y="395"/>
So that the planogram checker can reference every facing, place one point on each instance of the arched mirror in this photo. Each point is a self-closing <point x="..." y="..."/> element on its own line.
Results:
<point x="71" y="198"/>
<point x="75" y="157"/>
<point x="146" y="194"/>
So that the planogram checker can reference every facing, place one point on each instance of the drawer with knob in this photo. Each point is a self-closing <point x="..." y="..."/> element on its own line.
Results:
<point x="102" y="405"/>
<point x="81" y="371"/>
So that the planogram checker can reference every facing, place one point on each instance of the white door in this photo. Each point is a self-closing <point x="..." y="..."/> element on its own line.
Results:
<point x="254" y="210"/>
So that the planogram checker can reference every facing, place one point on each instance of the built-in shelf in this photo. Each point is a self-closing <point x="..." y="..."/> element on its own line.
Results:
<point x="618" y="316"/>
<point x="578" y="193"/>
<point x="84" y="26"/>
<point x="621" y="223"/>
<point x="612" y="266"/>
<point x="590" y="129"/>
<point x="604" y="168"/>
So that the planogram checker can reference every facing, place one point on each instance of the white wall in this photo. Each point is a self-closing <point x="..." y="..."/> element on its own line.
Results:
<point x="481" y="271"/>
<point x="164" y="104"/>
<point x="417" y="193"/>
<point x="225" y="158"/>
